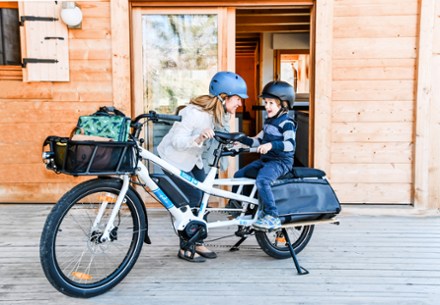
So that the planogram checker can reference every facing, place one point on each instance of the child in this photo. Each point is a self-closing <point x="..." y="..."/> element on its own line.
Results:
<point x="276" y="144"/>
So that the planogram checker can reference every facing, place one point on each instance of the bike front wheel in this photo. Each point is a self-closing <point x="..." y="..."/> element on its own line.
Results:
<point x="274" y="243"/>
<point x="74" y="258"/>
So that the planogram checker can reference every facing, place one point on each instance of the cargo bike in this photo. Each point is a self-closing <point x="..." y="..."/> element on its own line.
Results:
<point x="94" y="234"/>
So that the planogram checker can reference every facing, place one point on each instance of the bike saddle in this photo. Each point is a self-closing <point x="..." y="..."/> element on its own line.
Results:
<point x="226" y="137"/>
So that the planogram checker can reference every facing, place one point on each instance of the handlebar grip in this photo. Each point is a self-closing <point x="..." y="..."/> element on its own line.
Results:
<point x="169" y="117"/>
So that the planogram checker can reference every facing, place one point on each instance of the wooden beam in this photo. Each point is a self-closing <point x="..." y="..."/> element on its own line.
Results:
<point x="222" y="3"/>
<point x="120" y="29"/>
<point x="296" y="11"/>
<point x="273" y="20"/>
<point x="274" y="28"/>
<point x="323" y="84"/>
<point x="422" y="161"/>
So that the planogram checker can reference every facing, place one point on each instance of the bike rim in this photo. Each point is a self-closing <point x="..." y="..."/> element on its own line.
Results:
<point x="81" y="260"/>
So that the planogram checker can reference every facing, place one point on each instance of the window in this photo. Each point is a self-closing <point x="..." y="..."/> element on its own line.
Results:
<point x="9" y="37"/>
<point x="10" y="55"/>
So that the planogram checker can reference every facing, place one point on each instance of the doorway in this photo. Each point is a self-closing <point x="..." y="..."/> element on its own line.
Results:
<point x="274" y="43"/>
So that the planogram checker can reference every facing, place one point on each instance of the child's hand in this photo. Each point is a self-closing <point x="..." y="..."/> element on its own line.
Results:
<point x="263" y="149"/>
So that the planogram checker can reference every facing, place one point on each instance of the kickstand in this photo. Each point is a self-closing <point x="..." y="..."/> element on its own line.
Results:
<point x="238" y="243"/>
<point x="301" y="270"/>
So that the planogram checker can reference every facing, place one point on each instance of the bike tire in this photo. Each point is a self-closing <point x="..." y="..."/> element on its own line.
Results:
<point x="73" y="259"/>
<point x="274" y="244"/>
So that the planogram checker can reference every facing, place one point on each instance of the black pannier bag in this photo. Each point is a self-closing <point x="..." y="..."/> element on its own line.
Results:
<point x="305" y="195"/>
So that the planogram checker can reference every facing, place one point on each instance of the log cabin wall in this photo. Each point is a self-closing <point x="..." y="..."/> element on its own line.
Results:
<point x="376" y="115"/>
<point x="369" y="139"/>
<point x="33" y="110"/>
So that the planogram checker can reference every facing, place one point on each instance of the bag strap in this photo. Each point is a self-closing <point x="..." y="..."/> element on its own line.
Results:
<point x="108" y="111"/>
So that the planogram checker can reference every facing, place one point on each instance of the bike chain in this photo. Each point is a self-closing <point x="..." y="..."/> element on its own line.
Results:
<point x="209" y="243"/>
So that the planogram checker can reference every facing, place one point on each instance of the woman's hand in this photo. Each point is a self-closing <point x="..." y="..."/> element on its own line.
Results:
<point x="263" y="149"/>
<point x="206" y="134"/>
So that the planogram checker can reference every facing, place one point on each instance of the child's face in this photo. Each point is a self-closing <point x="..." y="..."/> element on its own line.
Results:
<point x="272" y="106"/>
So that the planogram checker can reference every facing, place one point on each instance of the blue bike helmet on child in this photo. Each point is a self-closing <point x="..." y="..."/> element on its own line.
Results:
<point x="228" y="83"/>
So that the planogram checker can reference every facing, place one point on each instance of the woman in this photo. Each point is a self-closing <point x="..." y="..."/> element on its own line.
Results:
<point x="183" y="146"/>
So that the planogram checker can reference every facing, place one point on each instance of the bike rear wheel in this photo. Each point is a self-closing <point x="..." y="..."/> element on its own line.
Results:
<point x="74" y="259"/>
<point x="274" y="243"/>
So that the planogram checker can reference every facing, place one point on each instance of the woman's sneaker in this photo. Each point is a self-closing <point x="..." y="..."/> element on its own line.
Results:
<point x="267" y="223"/>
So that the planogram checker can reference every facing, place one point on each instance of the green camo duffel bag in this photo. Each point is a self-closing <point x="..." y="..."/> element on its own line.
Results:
<point x="107" y="122"/>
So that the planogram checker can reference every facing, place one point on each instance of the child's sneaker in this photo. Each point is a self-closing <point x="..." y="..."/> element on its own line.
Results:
<point x="267" y="223"/>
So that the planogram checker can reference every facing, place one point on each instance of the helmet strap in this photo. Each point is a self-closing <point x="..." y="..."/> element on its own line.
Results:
<point x="281" y="111"/>
<point x="221" y="100"/>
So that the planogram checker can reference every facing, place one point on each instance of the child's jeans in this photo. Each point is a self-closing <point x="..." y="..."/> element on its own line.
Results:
<point x="265" y="173"/>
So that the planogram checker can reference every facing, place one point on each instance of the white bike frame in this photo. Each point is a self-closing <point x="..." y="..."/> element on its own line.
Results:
<point x="182" y="216"/>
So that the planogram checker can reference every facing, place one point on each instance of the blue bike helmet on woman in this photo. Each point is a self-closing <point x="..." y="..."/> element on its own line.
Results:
<point x="228" y="83"/>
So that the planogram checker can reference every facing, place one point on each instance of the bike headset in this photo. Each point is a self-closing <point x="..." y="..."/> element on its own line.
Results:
<point x="281" y="90"/>
<point x="228" y="83"/>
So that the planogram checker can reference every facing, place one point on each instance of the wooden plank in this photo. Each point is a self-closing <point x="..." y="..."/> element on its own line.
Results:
<point x="21" y="90"/>
<point x="374" y="90"/>
<point x="371" y="173"/>
<point x="376" y="26"/>
<point x="37" y="111"/>
<point x="93" y="49"/>
<point x="374" y="69"/>
<point x="11" y="73"/>
<point x="84" y="91"/>
<point x="388" y="47"/>
<point x="27" y="173"/>
<point x="384" y="152"/>
<point x="120" y="54"/>
<point x="357" y="132"/>
<point x="365" y="260"/>
<point x="423" y="99"/>
<point x="33" y="133"/>
<point x="223" y="3"/>
<point x="95" y="9"/>
<point x="375" y="8"/>
<point x="434" y="156"/>
<point x="37" y="192"/>
<point x="373" y="111"/>
<point x="323" y="83"/>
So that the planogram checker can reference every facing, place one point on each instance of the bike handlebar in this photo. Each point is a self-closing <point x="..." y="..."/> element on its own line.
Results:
<point x="154" y="117"/>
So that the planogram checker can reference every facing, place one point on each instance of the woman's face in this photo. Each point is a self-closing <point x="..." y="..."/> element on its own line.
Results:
<point x="232" y="103"/>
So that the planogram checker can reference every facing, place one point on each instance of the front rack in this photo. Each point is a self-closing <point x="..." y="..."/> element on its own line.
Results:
<point x="89" y="158"/>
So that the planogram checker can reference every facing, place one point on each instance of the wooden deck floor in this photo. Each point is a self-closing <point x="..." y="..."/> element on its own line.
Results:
<point x="364" y="260"/>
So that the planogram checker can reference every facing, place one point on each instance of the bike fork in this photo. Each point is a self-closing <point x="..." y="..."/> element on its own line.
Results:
<point x="110" y="224"/>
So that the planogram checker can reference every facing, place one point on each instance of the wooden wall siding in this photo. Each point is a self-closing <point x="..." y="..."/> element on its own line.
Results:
<point x="434" y="186"/>
<point x="373" y="97"/>
<point x="38" y="109"/>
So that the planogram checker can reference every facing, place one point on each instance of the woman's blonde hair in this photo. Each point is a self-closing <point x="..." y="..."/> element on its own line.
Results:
<point x="212" y="105"/>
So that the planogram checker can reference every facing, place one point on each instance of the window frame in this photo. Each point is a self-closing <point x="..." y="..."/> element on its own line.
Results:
<point x="10" y="72"/>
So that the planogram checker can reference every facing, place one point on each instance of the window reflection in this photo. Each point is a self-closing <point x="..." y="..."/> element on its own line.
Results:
<point x="180" y="54"/>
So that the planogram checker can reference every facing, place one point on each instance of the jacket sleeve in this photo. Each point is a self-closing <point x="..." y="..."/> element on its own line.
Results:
<point x="252" y="141"/>
<point x="185" y="133"/>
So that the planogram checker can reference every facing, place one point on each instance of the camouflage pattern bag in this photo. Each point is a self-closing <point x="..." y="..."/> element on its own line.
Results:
<point x="107" y="122"/>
